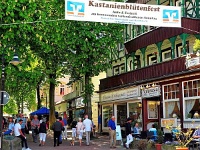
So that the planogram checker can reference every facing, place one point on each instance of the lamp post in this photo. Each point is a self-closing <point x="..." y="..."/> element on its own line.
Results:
<point x="15" y="61"/>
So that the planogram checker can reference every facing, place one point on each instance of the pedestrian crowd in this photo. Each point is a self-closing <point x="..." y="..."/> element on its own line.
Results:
<point x="21" y="125"/>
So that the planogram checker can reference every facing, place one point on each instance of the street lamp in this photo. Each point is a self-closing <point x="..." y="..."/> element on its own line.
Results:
<point x="15" y="61"/>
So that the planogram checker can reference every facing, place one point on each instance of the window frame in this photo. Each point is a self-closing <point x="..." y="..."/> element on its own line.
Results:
<point x="176" y="99"/>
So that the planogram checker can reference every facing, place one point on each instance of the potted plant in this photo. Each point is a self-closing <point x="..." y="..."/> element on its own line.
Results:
<point x="184" y="137"/>
<point x="160" y="139"/>
<point x="189" y="116"/>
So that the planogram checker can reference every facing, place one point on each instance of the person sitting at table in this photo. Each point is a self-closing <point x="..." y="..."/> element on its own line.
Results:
<point x="136" y="130"/>
<point x="154" y="131"/>
<point x="174" y="132"/>
<point x="196" y="133"/>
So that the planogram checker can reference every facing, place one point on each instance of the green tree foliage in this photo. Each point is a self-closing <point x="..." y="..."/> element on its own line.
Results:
<point x="93" y="48"/>
<point x="20" y="80"/>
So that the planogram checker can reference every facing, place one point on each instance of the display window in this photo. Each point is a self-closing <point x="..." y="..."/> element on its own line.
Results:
<point x="135" y="112"/>
<point x="171" y="102"/>
<point x="191" y="99"/>
<point x="107" y="112"/>
<point x="121" y="114"/>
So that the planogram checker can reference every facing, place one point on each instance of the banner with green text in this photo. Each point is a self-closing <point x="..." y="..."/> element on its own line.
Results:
<point x="123" y="13"/>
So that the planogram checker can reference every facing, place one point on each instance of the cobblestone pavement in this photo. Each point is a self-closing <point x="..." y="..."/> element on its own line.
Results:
<point x="101" y="142"/>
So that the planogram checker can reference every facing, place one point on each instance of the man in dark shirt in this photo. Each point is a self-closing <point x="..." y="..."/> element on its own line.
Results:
<point x="112" y="131"/>
<point x="129" y="137"/>
<point x="57" y="128"/>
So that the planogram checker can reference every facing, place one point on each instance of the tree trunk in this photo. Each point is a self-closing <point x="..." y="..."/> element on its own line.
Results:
<point x="52" y="117"/>
<point x="38" y="97"/>
<point x="88" y="96"/>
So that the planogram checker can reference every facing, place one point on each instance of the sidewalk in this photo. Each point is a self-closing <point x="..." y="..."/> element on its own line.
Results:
<point x="101" y="142"/>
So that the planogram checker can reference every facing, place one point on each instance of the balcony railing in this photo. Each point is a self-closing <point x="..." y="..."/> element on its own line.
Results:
<point x="144" y="74"/>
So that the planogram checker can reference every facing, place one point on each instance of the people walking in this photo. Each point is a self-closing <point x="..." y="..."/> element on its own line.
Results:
<point x="80" y="128"/>
<point x="88" y="128"/>
<point x="18" y="133"/>
<point x="112" y="132"/>
<point x="74" y="123"/>
<point x="43" y="132"/>
<point x="61" y="121"/>
<point x="99" y="123"/>
<point x="64" y="133"/>
<point x="129" y="137"/>
<point x="57" y="128"/>
<point x="35" y="124"/>
<point x="24" y="123"/>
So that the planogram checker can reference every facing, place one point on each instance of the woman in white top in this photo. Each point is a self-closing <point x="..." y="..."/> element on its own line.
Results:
<point x="79" y="129"/>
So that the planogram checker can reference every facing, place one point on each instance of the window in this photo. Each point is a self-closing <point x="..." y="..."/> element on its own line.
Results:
<point x="107" y="112"/>
<point x="171" y="100"/>
<point x="179" y="49"/>
<point x="119" y="69"/>
<point x="152" y="59"/>
<point x="121" y="114"/>
<point x="62" y="89"/>
<point x="135" y="111"/>
<point x="152" y="110"/>
<point x="166" y="54"/>
<point x="191" y="96"/>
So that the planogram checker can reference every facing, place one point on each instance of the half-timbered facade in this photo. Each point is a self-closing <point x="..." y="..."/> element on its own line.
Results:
<point x="151" y="79"/>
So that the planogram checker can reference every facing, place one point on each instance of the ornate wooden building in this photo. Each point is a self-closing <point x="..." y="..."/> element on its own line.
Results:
<point x="151" y="77"/>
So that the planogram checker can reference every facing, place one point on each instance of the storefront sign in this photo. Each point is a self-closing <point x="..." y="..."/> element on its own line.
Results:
<point x="118" y="133"/>
<point x="79" y="102"/>
<point x="172" y="122"/>
<point x="151" y="92"/>
<point x="123" y="13"/>
<point x="120" y="94"/>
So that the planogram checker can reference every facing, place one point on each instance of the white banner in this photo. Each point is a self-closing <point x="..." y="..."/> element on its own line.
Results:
<point x="123" y="13"/>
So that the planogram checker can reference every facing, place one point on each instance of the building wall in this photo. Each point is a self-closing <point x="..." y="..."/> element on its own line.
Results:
<point x="95" y="97"/>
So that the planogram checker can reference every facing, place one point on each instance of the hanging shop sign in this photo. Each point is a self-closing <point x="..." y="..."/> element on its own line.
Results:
<point x="168" y="122"/>
<point x="123" y="13"/>
<point x="151" y="92"/>
<point x="79" y="102"/>
<point x="121" y="94"/>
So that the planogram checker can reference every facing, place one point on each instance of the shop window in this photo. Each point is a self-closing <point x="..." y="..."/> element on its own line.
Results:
<point x="107" y="113"/>
<point x="135" y="111"/>
<point x="121" y="114"/>
<point x="192" y="99"/>
<point x="152" y="110"/>
<point x="171" y="100"/>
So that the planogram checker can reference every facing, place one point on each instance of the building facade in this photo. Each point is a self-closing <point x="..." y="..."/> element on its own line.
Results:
<point x="157" y="62"/>
<point x="74" y="100"/>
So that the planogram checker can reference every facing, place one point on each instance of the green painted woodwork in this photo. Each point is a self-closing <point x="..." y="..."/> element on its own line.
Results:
<point x="158" y="2"/>
<point x="159" y="45"/>
<point x="133" y="31"/>
<point x="133" y="60"/>
<point x="143" y="28"/>
<point x="172" y="41"/>
<point x="197" y="36"/>
<point x="126" y="32"/>
<point x="171" y="3"/>
<point x="143" y="55"/>
<point x="183" y="8"/>
<point x="183" y="38"/>
<point x="192" y="8"/>
<point x="126" y="62"/>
